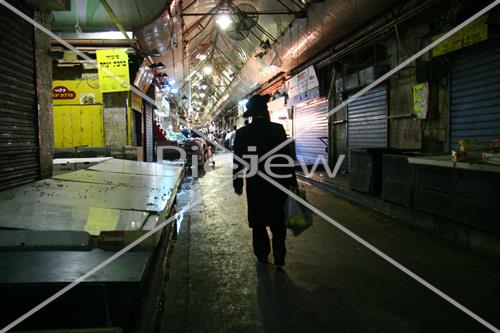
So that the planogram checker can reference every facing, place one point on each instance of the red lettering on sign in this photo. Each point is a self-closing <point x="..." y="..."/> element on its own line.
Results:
<point x="61" y="92"/>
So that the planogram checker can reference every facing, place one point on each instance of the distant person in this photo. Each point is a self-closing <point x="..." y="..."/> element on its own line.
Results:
<point x="230" y="138"/>
<point x="186" y="132"/>
<point x="222" y="137"/>
<point x="211" y="136"/>
<point x="159" y="133"/>
<point x="265" y="201"/>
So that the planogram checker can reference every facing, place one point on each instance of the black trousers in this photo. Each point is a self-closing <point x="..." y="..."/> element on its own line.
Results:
<point x="261" y="243"/>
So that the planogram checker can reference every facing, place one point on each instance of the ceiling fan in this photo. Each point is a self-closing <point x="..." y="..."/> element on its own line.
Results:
<point x="244" y="17"/>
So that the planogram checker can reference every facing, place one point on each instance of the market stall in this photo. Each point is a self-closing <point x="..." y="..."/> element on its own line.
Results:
<point x="53" y="231"/>
<point x="468" y="193"/>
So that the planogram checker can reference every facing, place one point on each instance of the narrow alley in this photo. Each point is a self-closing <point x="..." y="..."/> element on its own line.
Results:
<point x="234" y="166"/>
<point x="330" y="283"/>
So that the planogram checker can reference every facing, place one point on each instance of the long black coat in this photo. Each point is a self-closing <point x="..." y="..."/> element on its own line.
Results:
<point x="265" y="201"/>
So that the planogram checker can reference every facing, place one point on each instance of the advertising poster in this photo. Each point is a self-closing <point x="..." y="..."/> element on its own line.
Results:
<point x="113" y="70"/>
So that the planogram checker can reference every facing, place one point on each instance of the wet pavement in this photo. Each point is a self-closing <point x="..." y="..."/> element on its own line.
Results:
<point x="330" y="283"/>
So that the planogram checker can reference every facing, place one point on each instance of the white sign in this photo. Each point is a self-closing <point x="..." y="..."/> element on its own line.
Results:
<point x="277" y="104"/>
<point x="304" y="81"/>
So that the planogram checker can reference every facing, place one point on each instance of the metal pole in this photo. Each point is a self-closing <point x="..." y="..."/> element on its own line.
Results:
<point x="275" y="12"/>
<point x="112" y="15"/>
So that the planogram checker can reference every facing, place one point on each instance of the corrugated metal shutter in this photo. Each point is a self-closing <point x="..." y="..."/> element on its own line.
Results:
<point x="148" y="132"/>
<point x="19" y="152"/>
<point x="134" y="129"/>
<point x="311" y="130"/>
<point x="475" y="94"/>
<point x="367" y="120"/>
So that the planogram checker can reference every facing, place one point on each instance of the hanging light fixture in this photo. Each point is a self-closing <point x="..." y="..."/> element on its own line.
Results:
<point x="224" y="21"/>
<point x="201" y="56"/>
<point x="208" y="69"/>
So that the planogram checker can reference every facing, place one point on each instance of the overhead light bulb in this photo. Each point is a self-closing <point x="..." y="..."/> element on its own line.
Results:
<point x="201" y="56"/>
<point x="224" y="21"/>
<point x="202" y="95"/>
<point x="204" y="86"/>
<point x="208" y="69"/>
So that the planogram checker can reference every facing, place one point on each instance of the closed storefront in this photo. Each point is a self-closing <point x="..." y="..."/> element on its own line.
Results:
<point x="19" y="145"/>
<point x="78" y="113"/>
<point x="310" y="116"/>
<point x="311" y="130"/>
<point x="366" y="139"/>
<point x="136" y="129"/>
<point x="367" y="120"/>
<point x="78" y="125"/>
<point x="475" y="94"/>
<point x="148" y="133"/>
<point x="137" y="106"/>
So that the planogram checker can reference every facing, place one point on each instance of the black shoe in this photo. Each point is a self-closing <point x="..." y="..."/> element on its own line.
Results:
<point x="279" y="261"/>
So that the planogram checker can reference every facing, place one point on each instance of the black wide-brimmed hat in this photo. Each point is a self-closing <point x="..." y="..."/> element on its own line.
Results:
<point x="256" y="106"/>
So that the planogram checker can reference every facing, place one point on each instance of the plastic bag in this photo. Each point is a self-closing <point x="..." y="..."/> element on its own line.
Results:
<point x="297" y="217"/>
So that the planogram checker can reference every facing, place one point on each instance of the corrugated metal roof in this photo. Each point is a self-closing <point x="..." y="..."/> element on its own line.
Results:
<point x="189" y="36"/>
<point x="91" y="15"/>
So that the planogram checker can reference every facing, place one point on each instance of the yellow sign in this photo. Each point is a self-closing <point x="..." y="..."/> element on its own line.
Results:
<point x="475" y="32"/>
<point x="76" y="92"/>
<point x="421" y="100"/>
<point x="113" y="70"/>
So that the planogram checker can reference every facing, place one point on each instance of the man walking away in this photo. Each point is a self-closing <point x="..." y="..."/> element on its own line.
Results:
<point x="265" y="201"/>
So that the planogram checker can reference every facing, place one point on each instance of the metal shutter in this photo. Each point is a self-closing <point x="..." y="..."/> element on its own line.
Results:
<point x="367" y="120"/>
<point x="310" y="128"/>
<point x="19" y="152"/>
<point x="148" y="132"/>
<point x="475" y="94"/>
<point x="134" y="130"/>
